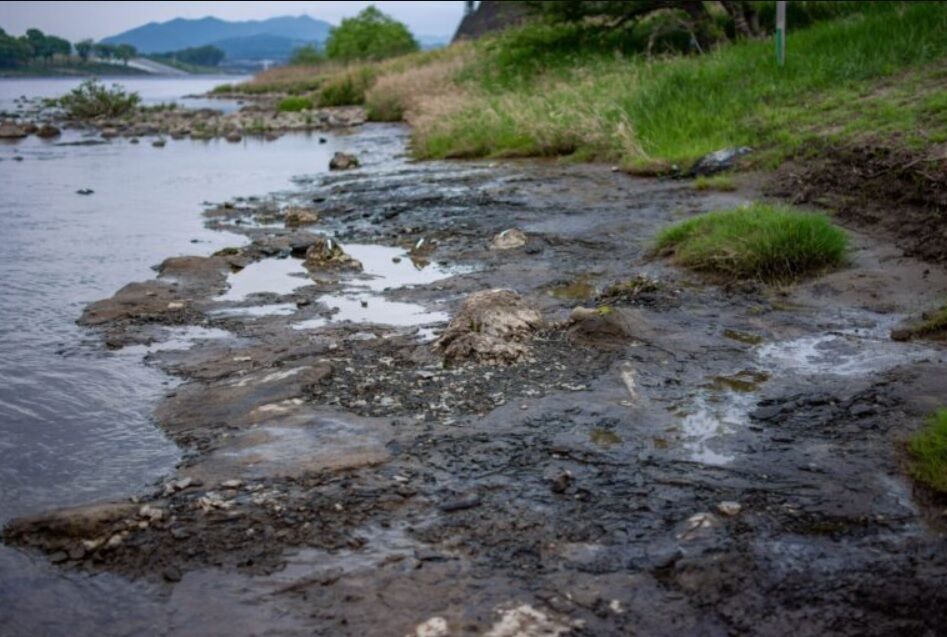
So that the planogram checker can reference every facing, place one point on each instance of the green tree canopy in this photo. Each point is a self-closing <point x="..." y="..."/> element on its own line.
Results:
<point x="84" y="49"/>
<point x="125" y="52"/>
<point x="306" y="55"/>
<point x="104" y="51"/>
<point x="13" y="51"/>
<point x="371" y="35"/>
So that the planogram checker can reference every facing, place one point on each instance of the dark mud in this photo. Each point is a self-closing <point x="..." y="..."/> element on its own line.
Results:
<point x="895" y="191"/>
<point x="679" y="458"/>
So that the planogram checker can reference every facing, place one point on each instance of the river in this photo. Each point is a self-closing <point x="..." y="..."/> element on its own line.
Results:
<point x="75" y="421"/>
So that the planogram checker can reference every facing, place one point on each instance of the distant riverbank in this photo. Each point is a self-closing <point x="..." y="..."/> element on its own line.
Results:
<point x="72" y="69"/>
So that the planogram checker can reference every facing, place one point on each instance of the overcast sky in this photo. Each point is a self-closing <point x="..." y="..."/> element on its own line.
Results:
<point x="78" y="20"/>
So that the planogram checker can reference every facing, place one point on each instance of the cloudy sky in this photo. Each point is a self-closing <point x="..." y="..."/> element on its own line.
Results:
<point x="78" y="20"/>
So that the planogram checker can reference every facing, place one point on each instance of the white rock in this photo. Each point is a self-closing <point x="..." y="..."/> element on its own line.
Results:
<point x="729" y="509"/>
<point x="508" y="239"/>
<point x="433" y="627"/>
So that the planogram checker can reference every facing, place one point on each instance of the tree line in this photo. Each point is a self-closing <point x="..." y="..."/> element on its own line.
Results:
<point x="36" y="46"/>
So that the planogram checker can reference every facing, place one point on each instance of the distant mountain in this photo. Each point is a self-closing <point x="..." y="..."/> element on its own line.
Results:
<point x="259" y="47"/>
<point x="180" y="33"/>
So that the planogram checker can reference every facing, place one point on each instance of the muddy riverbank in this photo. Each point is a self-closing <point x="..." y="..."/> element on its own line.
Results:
<point x="693" y="459"/>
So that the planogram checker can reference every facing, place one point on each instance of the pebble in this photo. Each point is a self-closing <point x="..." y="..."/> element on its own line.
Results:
<point x="729" y="508"/>
<point x="171" y="574"/>
<point x="460" y="504"/>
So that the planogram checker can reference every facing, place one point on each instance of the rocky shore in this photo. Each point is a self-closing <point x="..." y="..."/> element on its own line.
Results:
<point x="542" y="429"/>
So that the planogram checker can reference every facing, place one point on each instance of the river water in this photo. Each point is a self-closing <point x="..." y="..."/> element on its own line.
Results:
<point x="75" y="421"/>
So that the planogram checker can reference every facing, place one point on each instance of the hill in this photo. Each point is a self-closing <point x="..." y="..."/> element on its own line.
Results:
<point x="232" y="37"/>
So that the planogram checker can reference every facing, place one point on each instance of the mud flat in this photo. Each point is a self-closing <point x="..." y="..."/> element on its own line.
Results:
<point x="665" y="456"/>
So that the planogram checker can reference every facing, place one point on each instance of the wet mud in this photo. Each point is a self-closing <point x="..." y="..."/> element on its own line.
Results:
<point x="662" y="456"/>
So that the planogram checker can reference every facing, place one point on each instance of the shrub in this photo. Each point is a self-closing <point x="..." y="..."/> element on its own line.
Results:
<point x="371" y="35"/>
<point x="761" y="241"/>
<point x="347" y="87"/>
<point x="295" y="104"/>
<point x="307" y="55"/>
<point x="92" y="99"/>
<point x="928" y="450"/>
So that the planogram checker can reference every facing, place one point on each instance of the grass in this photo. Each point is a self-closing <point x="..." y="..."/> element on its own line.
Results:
<point x="928" y="449"/>
<point x="634" y="109"/>
<point x="720" y="183"/>
<point x="771" y="243"/>
<point x="294" y="104"/>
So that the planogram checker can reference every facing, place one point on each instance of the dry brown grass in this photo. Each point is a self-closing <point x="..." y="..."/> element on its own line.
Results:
<point x="400" y="95"/>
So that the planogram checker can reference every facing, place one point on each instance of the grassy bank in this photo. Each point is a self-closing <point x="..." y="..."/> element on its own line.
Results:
<point x="67" y="69"/>
<point x="548" y="90"/>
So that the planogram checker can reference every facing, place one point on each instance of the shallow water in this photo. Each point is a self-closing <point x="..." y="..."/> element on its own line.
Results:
<point x="153" y="90"/>
<point x="75" y="420"/>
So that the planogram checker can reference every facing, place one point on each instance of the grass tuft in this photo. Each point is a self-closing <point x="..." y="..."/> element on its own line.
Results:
<point x="294" y="104"/>
<point x="720" y="183"/>
<point x="771" y="243"/>
<point x="928" y="450"/>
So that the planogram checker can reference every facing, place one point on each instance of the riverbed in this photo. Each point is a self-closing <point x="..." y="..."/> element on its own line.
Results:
<point x="697" y="457"/>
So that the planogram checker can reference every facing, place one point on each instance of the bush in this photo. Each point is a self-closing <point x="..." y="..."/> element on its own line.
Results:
<point x="347" y="87"/>
<point x="307" y="55"/>
<point x="295" y="104"/>
<point x="93" y="99"/>
<point x="371" y="35"/>
<point x="928" y="450"/>
<point x="767" y="242"/>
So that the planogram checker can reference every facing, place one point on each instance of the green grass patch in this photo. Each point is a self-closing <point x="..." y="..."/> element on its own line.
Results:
<point x="928" y="450"/>
<point x="720" y="183"/>
<point x="932" y="324"/>
<point x="772" y="243"/>
<point x="294" y="104"/>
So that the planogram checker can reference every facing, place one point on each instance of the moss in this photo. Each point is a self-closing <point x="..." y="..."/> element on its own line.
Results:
<point x="766" y="242"/>
<point x="932" y="325"/>
<point x="928" y="450"/>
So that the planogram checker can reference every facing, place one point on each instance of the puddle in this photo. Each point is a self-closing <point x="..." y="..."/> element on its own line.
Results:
<point x="744" y="382"/>
<point x="278" y="276"/>
<point x="179" y="338"/>
<point x="271" y="309"/>
<point x="850" y="352"/>
<point x="714" y="416"/>
<point x="579" y="290"/>
<point x="385" y="268"/>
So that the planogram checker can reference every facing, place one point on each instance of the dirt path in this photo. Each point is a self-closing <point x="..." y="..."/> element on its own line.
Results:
<point x="729" y="464"/>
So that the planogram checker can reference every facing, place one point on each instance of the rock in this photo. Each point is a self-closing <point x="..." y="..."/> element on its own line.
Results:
<point x="729" y="508"/>
<point x="423" y="248"/>
<point x="270" y="136"/>
<point x="323" y="140"/>
<point x="717" y="161"/>
<point x="159" y="143"/>
<point x="233" y="137"/>
<point x="171" y="574"/>
<point x="84" y="191"/>
<point x="462" y="503"/>
<point x="61" y="529"/>
<point x="508" y="239"/>
<point x="109" y="133"/>
<point x="295" y="217"/>
<point x="30" y="128"/>
<point x="491" y="326"/>
<point x="47" y="131"/>
<point x="343" y="161"/>
<point x="604" y="327"/>
<point x="133" y="140"/>
<point x="9" y="130"/>
<point x="179" y="133"/>
<point x="327" y="254"/>
<point x="561" y="482"/>
<point x="433" y="627"/>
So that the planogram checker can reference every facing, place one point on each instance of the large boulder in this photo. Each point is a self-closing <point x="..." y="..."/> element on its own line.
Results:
<point x="327" y="254"/>
<point x="343" y="161"/>
<point x="48" y="131"/>
<point x="491" y="326"/>
<point x="9" y="130"/>
<point x="717" y="161"/>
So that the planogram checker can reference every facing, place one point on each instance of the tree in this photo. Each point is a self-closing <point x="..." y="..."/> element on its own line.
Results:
<point x="125" y="52"/>
<point x="306" y="55"/>
<point x="56" y="46"/>
<point x="37" y="42"/>
<point x="371" y="35"/>
<point x="104" y="51"/>
<point x="84" y="49"/>
<point x="13" y="51"/>
<point x="692" y="14"/>
<point x="207" y="55"/>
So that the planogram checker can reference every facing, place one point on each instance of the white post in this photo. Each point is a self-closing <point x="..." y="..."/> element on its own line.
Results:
<point x="781" y="33"/>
